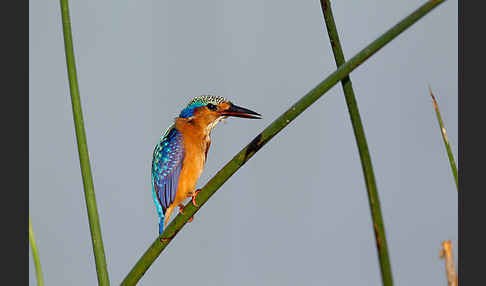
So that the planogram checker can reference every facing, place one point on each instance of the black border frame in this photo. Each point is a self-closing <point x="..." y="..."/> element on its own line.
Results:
<point x="15" y="83"/>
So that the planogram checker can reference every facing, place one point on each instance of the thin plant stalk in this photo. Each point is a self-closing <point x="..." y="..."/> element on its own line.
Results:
<point x="261" y="139"/>
<point x="446" y="254"/>
<point x="364" y="153"/>
<point x="89" y="193"/>
<point x="452" y="162"/>
<point x="35" y="256"/>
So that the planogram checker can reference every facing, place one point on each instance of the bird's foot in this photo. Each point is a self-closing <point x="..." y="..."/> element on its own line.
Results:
<point x="181" y="210"/>
<point x="164" y="240"/>
<point x="193" y="196"/>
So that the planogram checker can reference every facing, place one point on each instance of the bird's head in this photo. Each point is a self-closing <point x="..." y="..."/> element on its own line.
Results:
<point x="208" y="110"/>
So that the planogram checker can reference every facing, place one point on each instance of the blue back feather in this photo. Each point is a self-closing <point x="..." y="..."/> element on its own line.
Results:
<point x="166" y="168"/>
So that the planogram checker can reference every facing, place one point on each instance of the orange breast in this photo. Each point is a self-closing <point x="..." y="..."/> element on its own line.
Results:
<point x="195" y="148"/>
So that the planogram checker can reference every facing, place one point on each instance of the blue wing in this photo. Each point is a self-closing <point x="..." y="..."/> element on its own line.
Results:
<point x="166" y="168"/>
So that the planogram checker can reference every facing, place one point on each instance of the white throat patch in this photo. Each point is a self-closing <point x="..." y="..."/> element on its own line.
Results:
<point x="213" y="124"/>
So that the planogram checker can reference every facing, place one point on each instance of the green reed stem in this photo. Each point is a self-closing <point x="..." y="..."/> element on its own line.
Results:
<point x="452" y="162"/>
<point x="89" y="193"/>
<point x="364" y="153"/>
<point x="266" y="135"/>
<point x="35" y="256"/>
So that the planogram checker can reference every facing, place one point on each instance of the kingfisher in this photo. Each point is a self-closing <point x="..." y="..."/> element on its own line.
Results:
<point x="179" y="157"/>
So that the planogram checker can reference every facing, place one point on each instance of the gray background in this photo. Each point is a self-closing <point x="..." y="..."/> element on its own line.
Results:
<point x="296" y="213"/>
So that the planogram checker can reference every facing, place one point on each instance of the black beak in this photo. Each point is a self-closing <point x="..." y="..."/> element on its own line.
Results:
<point x="238" y="111"/>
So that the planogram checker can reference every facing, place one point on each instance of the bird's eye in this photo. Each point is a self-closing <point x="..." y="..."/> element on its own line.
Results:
<point x="212" y="106"/>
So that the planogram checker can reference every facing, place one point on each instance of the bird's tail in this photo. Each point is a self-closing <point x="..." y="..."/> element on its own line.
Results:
<point x="161" y="224"/>
<point x="164" y="218"/>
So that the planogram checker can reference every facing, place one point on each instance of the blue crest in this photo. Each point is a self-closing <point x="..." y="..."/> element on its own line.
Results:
<point x="189" y="110"/>
<point x="199" y="101"/>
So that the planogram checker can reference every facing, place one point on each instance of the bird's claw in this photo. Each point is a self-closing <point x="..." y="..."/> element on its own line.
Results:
<point x="164" y="240"/>
<point x="194" y="197"/>
<point x="181" y="210"/>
